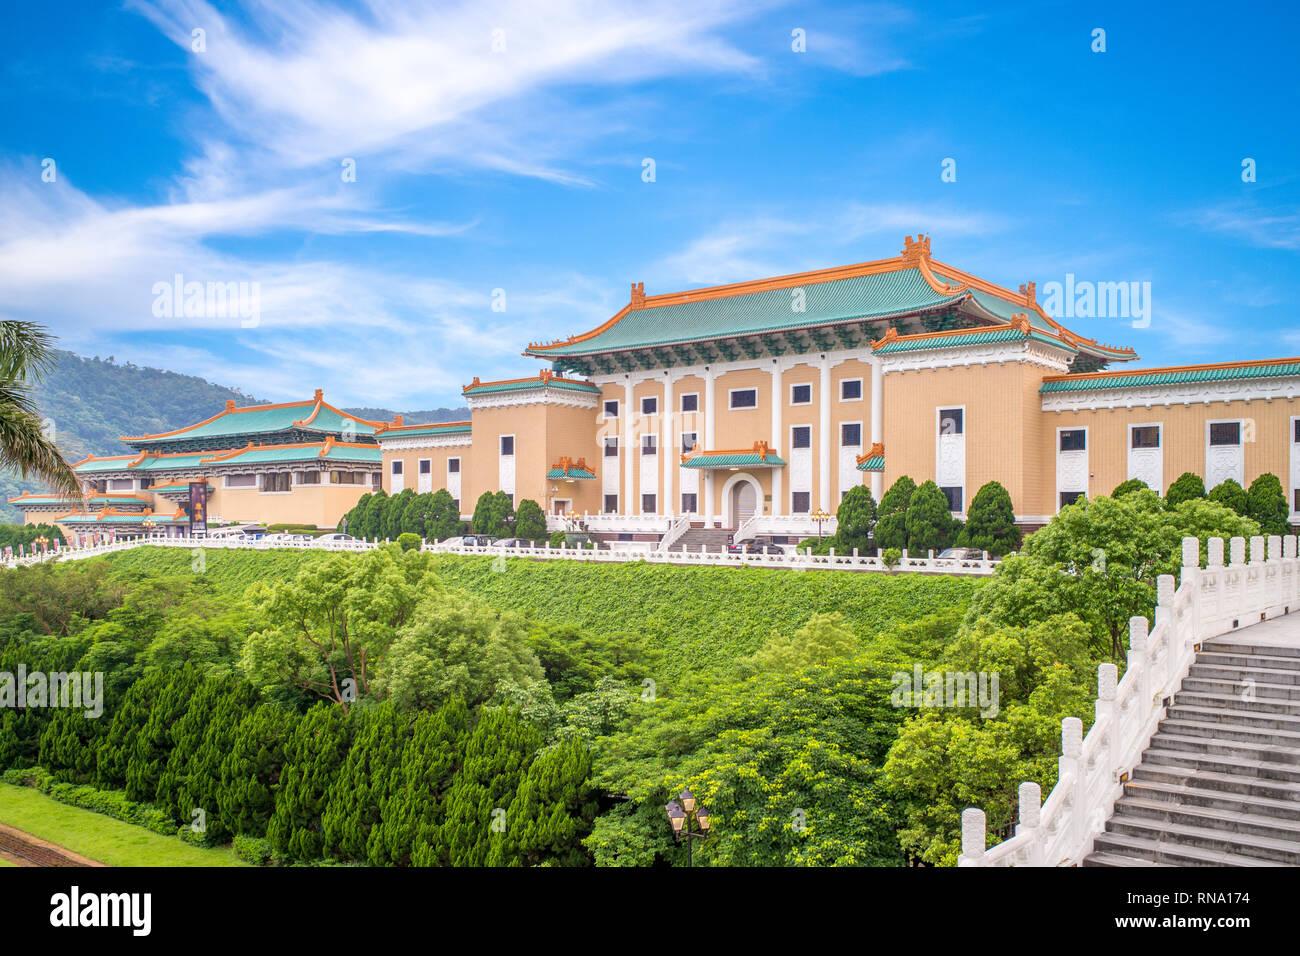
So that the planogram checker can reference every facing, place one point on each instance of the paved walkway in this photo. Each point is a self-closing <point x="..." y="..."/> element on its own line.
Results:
<point x="1281" y="631"/>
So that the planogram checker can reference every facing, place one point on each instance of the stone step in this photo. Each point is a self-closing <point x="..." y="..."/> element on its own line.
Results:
<point x="1232" y="658"/>
<point x="1228" y="783"/>
<point x="1260" y="689"/>
<point x="1187" y="795"/>
<point x="1198" y="698"/>
<point x="1226" y="731"/>
<point x="1210" y="818"/>
<point x="1215" y="763"/>
<point x="1278" y="752"/>
<point x="1254" y="650"/>
<point x="1118" y="859"/>
<point x="1169" y="854"/>
<point x="1235" y="718"/>
<point x="1238" y="673"/>
<point x="1278" y="852"/>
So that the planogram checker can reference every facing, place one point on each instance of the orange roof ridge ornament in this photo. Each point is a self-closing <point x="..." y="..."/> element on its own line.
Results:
<point x="891" y="333"/>
<point x="877" y="450"/>
<point x="638" y="295"/>
<point x="695" y="450"/>
<point x="1029" y="290"/>
<point x="1021" y="321"/>
<point x="230" y="404"/>
<point x="397" y="421"/>
<point x="916" y="249"/>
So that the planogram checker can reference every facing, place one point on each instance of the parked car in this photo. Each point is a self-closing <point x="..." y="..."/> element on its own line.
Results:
<point x="290" y="539"/>
<point x="472" y="541"/>
<point x="512" y="543"/>
<point x="334" y="538"/>
<point x="964" y="555"/>
<point x="754" y="546"/>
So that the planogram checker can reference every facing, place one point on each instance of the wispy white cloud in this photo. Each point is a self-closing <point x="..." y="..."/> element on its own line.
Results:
<point x="1263" y="228"/>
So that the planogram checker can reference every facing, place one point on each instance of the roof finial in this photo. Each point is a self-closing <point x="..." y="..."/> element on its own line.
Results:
<point x="320" y="394"/>
<point x="638" y="294"/>
<point x="230" y="404"/>
<point x="397" y="421"/>
<point x="916" y="249"/>
<point x="1027" y="289"/>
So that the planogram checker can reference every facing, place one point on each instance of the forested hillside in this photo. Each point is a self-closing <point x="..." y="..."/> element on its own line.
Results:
<point x="89" y="403"/>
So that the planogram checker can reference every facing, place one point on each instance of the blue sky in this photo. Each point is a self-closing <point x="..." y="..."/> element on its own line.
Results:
<point x="521" y="169"/>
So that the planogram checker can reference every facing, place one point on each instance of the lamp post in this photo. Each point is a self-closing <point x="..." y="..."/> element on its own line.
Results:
<point x="819" y="516"/>
<point x="149" y="524"/>
<point x="680" y="815"/>
<point x="42" y="541"/>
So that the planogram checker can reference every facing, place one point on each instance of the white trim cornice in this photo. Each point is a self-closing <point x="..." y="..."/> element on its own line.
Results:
<point x="1188" y="393"/>
<point x="406" y="442"/>
<point x="1033" y="353"/>
<point x="534" y="396"/>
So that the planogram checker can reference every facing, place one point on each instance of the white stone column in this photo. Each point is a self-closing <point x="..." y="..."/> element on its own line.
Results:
<point x="825" y="441"/>
<point x="709" y="418"/>
<point x="778" y="442"/>
<point x="667" y="447"/>
<point x="877" y="420"/>
<point x="629" y="452"/>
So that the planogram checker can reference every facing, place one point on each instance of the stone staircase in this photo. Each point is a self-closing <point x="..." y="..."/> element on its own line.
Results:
<point x="1220" y="783"/>
<point x="713" y="539"/>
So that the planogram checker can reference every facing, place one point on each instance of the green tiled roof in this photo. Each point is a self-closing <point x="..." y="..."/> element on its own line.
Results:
<point x="531" y="383"/>
<point x="173" y="486"/>
<point x="1173" y="376"/>
<point x="871" y="296"/>
<point x="560" y="473"/>
<point x="105" y="464"/>
<point x="119" y="519"/>
<point x="171" y="462"/>
<point x="255" y="420"/>
<point x="746" y="459"/>
<point x="427" y="431"/>
<point x="371" y="455"/>
<point x="263" y="456"/>
<point x="973" y="337"/>
<point x="875" y="463"/>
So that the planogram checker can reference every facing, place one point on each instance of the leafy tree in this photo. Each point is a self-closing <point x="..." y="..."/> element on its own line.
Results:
<point x="1186" y="487"/>
<point x="456" y="646"/>
<point x="314" y="755"/>
<point x="26" y="356"/>
<point x="575" y="661"/>
<point x="154" y="743"/>
<point x="443" y="519"/>
<point x="891" y="528"/>
<point x="484" y="519"/>
<point x="430" y="758"/>
<point x="551" y="812"/>
<point x="530" y="522"/>
<point x="929" y="523"/>
<point x="373" y="516"/>
<point x="1231" y="495"/>
<point x="352" y="522"/>
<point x="854" y="520"/>
<point x="326" y="631"/>
<point x="1127" y="487"/>
<point x="990" y="522"/>
<point x="822" y="639"/>
<point x="201" y="790"/>
<point x="250" y="773"/>
<point x="408" y="541"/>
<point x="118" y="744"/>
<point x="395" y="512"/>
<point x="371" y="772"/>
<point x="1267" y="504"/>
<point x="186" y="738"/>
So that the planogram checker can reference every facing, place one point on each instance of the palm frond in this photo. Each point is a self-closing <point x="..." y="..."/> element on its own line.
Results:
<point x="26" y="352"/>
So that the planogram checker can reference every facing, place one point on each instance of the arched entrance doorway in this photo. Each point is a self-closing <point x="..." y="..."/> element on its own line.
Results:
<point x="742" y="497"/>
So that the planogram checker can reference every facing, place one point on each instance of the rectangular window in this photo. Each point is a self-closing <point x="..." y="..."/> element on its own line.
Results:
<point x="611" y="447"/>
<point x="241" y="481"/>
<point x="851" y="435"/>
<point x="611" y="408"/>
<point x="690" y="503"/>
<point x="453" y="466"/>
<point x="1074" y="439"/>
<point x="744" y="398"/>
<point x="1225" y="433"/>
<point x="611" y="504"/>
<point x="649" y="406"/>
<point x="691" y="402"/>
<point x="1295" y="504"/>
<point x="800" y="502"/>
<point x="801" y="436"/>
<point x="507" y="444"/>
<point x="146" y="483"/>
<point x="1145" y="436"/>
<point x="647" y="504"/>
<point x="850" y="389"/>
<point x="689" y="441"/>
<point x="951" y="421"/>
<point x="649" y="444"/>
<point x="954" y="497"/>
<point x="121" y="484"/>
<point x="1295" y="437"/>
<point x="397" y="466"/>
<point x="801" y="394"/>
<point x="456" y="503"/>
<point x="426" y="466"/>
<point x="376" y="479"/>
<point x="309" y="477"/>
<point x="1070" y="497"/>
<point x="276" y="482"/>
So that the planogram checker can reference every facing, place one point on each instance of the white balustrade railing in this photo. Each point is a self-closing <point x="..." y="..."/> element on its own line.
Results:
<point x="614" y="552"/>
<point x="1209" y="602"/>
<point x="680" y="525"/>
